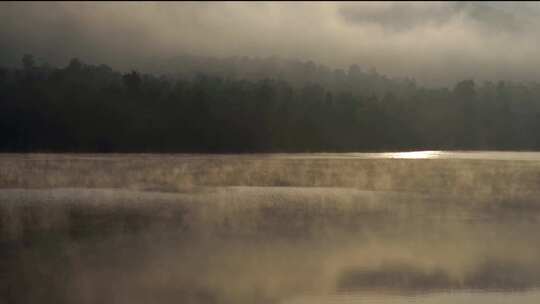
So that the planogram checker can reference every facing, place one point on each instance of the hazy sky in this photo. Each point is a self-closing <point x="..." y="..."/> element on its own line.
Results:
<point x="435" y="42"/>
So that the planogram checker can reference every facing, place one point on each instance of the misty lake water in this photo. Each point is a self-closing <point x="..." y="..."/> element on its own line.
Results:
<point x="412" y="227"/>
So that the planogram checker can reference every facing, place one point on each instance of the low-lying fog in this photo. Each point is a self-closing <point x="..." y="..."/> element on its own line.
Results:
<point x="269" y="228"/>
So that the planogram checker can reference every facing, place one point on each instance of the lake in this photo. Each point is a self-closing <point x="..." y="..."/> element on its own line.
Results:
<point x="410" y="227"/>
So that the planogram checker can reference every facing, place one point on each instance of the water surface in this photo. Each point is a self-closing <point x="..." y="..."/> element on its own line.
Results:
<point x="409" y="227"/>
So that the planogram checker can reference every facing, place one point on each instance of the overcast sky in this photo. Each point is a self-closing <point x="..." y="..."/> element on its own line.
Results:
<point x="437" y="42"/>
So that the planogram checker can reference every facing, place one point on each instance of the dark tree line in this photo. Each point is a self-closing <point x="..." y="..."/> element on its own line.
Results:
<point x="88" y="108"/>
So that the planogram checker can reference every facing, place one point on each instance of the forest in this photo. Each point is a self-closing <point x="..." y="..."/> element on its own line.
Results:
<point x="241" y="105"/>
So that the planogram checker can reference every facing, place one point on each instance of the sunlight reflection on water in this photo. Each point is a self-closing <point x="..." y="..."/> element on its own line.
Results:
<point x="413" y="154"/>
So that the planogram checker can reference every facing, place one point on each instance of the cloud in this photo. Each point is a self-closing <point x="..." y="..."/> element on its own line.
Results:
<point x="438" y="43"/>
<point x="400" y="16"/>
<point x="408" y="16"/>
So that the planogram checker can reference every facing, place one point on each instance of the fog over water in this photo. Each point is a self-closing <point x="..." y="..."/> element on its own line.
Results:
<point x="413" y="227"/>
<point x="148" y="152"/>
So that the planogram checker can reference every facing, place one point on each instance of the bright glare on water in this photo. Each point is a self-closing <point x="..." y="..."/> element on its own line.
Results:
<point x="412" y="155"/>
